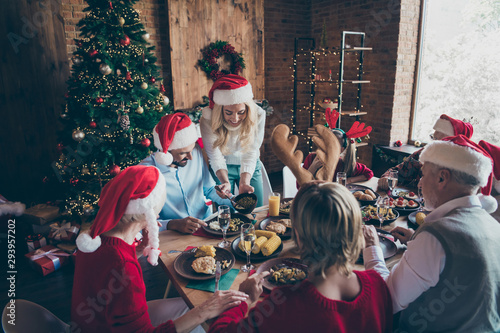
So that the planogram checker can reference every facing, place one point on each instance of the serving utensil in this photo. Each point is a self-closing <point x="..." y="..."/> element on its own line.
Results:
<point x="218" y="271"/>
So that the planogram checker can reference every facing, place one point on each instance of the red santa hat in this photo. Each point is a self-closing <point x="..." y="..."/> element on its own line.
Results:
<point x="229" y="90"/>
<point x="452" y="127"/>
<point x="174" y="131"/>
<point x="494" y="152"/>
<point x="461" y="154"/>
<point x="138" y="189"/>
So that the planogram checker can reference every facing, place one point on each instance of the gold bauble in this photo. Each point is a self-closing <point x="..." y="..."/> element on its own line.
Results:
<point x="144" y="86"/>
<point x="139" y="110"/>
<point x="121" y="21"/>
<point x="78" y="135"/>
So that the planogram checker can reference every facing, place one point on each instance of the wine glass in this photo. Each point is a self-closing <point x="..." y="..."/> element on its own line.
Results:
<point x="224" y="219"/>
<point x="342" y="178"/>
<point x="382" y="208"/>
<point x="420" y="199"/>
<point x="248" y="238"/>
<point x="393" y="180"/>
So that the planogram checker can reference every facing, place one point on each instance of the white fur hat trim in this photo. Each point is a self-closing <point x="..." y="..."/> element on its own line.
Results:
<point x="456" y="157"/>
<point x="233" y="96"/>
<point x="444" y="126"/>
<point x="184" y="137"/>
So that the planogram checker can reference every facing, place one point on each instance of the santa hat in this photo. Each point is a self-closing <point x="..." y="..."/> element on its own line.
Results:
<point x="174" y="131"/>
<point x="229" y="90"/>
<point x="138" y="189"/>
<point x="494" y="152"/>
<point x="461" y="154"/>
<point x="452" y="127"/>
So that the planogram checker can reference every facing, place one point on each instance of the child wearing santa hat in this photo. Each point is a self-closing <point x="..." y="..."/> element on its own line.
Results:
<point x="232" y="128"/>
<point x="409" y="172"/>
<point x="108" y="289"/>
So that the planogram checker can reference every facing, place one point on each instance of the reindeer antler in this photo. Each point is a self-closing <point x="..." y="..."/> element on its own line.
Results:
<point x="357" y="130"/>
<point x="331" y="117"/>
<point x="328" y="152"/>
<point x="283" y="145"/>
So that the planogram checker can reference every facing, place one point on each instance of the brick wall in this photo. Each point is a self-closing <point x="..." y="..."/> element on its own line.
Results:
<point x="154" y="17"/>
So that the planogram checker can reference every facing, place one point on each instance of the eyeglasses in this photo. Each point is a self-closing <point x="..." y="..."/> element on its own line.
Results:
<point x="431" y="136"/>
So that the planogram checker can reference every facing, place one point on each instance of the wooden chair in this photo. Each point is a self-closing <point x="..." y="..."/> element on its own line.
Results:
<point x="30" y="318"/>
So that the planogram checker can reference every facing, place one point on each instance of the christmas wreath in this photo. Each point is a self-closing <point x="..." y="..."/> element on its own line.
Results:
<point x="216" y="50"/>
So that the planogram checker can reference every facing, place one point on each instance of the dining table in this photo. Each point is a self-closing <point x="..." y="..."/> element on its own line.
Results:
<point x="173" y="240"/>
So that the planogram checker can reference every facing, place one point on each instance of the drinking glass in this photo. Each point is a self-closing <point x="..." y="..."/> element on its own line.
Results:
<point x="420" y="199"/>
<point x="393" y="180"/>
<point x="224" y="219"/>
<point x="274" y="204"/>
<point x="382" y="208"/>
<point x="342" y="178"/>
<point x="248" y="238"/>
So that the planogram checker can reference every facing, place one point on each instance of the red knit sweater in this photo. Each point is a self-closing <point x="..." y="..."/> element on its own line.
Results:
<point x="306" y="310"/>
<point x="109" y="294"/>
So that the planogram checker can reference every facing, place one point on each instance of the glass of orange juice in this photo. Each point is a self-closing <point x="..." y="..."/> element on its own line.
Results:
<point x="274" y="203"/>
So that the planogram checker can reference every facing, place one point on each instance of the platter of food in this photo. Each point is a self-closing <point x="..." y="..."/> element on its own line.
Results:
<point x="410" y="195"/>
<point x="245" y="203"/>
<point x="416" y="218"/>
<point x="267" y="245"/>
<point x="283" y="272"/>
<point x="363" y="194"/>
<point x="389" y="247"/>
<point x="285" y="206"/>
<point x="200" y="264"/>
<point x="281" y="225"/>
<point x="404" y="206"/>
<point x="237" y="220"/>
<point x="369" y="214"/>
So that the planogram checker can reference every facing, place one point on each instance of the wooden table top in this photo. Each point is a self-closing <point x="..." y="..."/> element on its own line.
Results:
<point x="172" y="240"/>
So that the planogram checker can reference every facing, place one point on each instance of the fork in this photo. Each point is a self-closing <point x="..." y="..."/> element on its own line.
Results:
<point x="217" y="275"/>
<point x="177" y="251"/>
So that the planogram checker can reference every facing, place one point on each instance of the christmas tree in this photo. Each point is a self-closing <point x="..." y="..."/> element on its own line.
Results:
<point x="114" y="100"/>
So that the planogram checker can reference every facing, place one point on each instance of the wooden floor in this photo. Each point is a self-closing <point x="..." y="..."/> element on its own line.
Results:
<point x="54" y="290"/>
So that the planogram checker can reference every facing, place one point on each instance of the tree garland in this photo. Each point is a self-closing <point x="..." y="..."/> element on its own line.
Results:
<point x="216" y="50"/>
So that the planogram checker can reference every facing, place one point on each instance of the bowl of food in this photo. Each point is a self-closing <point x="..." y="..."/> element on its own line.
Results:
<point x="245" y="203"/>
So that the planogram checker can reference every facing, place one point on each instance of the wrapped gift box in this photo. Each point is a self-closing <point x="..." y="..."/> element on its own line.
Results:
<point x="48" y="259"/>
<point x="35" y="241"/>
<point x="67" y="247"/>
<point x="64" y="231"/>
<point x="41" y="214"/>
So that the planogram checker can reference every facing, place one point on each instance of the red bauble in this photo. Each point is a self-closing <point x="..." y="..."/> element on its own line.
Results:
<point x="60" y="147"/>
<point x="73" y="181"/>
<point x="398" y="143"/>
<point x="162" y="88"/>
<point x="128" y="76"/>
<point x="93" y="53"/>
<point x="114" y="170"/>
<point x="145" y="142"/>
<point x="152" y="79"/>
<point x="99" y="100"/>
<point x="125" y="41"/>
<point x="93" y="124"/>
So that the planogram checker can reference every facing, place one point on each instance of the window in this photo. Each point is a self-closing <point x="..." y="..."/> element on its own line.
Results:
<point x="459" y="67"/>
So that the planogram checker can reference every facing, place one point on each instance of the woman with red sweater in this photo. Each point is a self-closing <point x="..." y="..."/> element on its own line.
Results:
<point x="109" y="294"/>
<point x="328" y="232"/>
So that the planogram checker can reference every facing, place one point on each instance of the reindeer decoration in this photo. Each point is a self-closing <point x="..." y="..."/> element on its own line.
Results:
<point x="329" y="148"/>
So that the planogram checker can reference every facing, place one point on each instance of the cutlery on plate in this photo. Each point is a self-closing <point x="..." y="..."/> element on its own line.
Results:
<point x="211" y="217"/>
<point x="187" y="251"/>
<point x="217" y="275"/>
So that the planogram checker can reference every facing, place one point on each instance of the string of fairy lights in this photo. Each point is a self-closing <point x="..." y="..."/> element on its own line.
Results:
<point x="310" y="62"/>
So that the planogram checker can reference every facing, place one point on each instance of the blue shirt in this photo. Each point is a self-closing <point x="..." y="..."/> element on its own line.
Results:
<point x="188" y="188"/>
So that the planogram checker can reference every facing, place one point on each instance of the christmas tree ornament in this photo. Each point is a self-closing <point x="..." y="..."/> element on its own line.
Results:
<point x="105" y="69"/>
<point x="124" y="121"/>
<point x="145" y="142"/>
<point x="92" y="124"/>
<point x="98" y="60"/>
<point x="99" y="100"/>
<point x="146" y="37"/>
<point x="114" y="170"/>
<point x="139" y="110"/>
<point x="165" y="100"/>
<point x="88" y="209"/>
<point x="144" y="86"/>
<point x="417" y="143"/>
<point x="146" y="60"/>
<point x="73" y="181"/>
<point x="76" y="60"/>
<point x="79" y="43"/>
<point x="159" y="108"/>
<point x="152" y="79"/>
<point x="128" y="76"/>
<point x="60" y="147"/>
<point x="162" y="88"/>
<point x="110" y="5"/>
<point x="121" y="21"/>
<point x="78" y="135"/>
<point x="125" y="41"/>
<point x="118" y="72"/>
<point x="93" y="53"/>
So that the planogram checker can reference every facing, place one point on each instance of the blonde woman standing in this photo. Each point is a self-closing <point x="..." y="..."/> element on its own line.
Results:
<point x="232" y="128"/>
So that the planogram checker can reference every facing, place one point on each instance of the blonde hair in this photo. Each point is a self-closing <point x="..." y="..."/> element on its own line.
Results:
<point x="327" y="220"/>
<point x="349" y="152"/>
<point x="247" y="131"/>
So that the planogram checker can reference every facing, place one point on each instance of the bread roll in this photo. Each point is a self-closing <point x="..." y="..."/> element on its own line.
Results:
<point x="357" y="194"/>
<point x="366" y="197"/>
<point x="370" y="193"/>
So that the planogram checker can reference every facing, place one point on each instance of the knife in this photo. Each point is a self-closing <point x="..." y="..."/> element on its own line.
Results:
<point x="211" y="217"/>
<point x="217" y="275"/>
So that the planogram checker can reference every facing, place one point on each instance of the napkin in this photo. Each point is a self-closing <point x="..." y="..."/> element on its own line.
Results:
<point x="226" y="281"/>
<point x="202" y="233"/>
